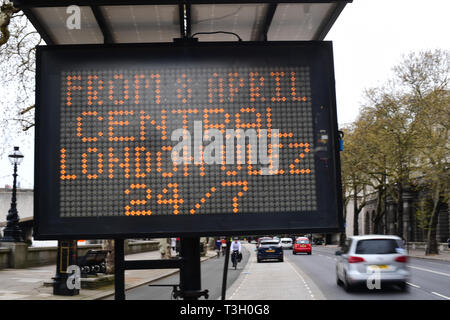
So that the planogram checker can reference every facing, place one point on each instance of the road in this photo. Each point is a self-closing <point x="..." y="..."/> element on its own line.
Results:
<point x="302" y="277"/>
<point x="430" y="279"/>
<point x="211" y="273"/>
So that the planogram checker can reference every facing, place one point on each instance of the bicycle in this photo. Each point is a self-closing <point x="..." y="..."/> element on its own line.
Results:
<point x="235" y="258"/>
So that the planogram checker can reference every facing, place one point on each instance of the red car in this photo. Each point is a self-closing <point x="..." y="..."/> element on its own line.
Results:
<point x="302" y="245"/>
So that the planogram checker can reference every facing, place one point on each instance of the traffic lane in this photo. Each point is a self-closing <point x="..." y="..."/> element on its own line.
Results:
<point x="429" y="265"/>
<point x="426" y="277"/>
<point x="211" y="279"/>
<point x="321" y="268"/>
<point x="435" y="265"/>
<point x="272" y="280"/>
<point x="435" y="284"/>
<point x="431" y="276"/>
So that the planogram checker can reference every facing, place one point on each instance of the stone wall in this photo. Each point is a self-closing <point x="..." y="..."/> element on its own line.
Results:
<point x="4" y="257"/>
<point x="40" y="256"/>
<point x="140" y="246"/>
<point x="443" y="247"/>
<point x="24" y="203"/>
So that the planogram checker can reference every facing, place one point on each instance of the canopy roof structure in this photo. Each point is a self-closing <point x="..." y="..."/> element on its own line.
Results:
<point x="149" y="21"/>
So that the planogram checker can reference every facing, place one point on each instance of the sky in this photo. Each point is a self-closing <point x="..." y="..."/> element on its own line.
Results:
<point x="369" y="38"/>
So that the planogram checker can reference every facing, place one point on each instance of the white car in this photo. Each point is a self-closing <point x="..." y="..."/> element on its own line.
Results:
<point x="286" y="243"/>
<point x="378" y="259"/>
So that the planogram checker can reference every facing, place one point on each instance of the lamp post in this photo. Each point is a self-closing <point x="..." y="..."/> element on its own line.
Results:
<point x="12" y="231"/>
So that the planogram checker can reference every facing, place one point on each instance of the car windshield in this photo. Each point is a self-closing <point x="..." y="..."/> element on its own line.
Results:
<point x="286" y="241"/>
<point x="377" y="246"/>
<point x="269" y="243"/>
<point x="302" y="241"/>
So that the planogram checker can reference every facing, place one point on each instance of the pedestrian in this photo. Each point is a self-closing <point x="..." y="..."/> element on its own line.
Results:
<point x="224" y="245"/>
<point x="178" y="245"/>
<point x="218" y="247"/>
<point x="448" y="242"/>
<point x="173" y="244"/>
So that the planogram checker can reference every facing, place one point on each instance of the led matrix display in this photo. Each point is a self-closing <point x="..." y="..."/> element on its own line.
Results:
<point x="116" y="148"/>
<point x="115" y="155"/>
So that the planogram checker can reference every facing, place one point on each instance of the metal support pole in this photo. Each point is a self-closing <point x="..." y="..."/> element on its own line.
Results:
<point x="225" y="269"/>
<point x="190" y="279"/>
<point x="119" y="271"/>
<point x="67" y="256"/>
<point x="12" y="232"/>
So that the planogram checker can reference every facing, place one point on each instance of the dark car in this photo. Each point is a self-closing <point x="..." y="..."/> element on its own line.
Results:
<point x="270" y="249"/>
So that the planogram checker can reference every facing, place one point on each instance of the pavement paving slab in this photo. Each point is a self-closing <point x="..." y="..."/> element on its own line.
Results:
<point x="443" y="255"/>
<point x="28" y="284"/>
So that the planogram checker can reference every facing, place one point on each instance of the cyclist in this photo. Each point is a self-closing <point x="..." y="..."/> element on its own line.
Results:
<point x="236" y="252"/>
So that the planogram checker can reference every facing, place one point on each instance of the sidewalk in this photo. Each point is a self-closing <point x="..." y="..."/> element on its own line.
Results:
<point x="420" y="253"/>
<point x="28" y="284"/>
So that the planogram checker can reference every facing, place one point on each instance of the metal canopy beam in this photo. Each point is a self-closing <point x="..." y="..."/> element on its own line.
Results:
<point x="184" y="10"/>
<point x="267" y="21"/>
<point x="102" y="24"/>
<point x="39" y="27"/>
<point x="328" y="23"/>
<point x="105" y="26"/>
<point x="64" y="3"/>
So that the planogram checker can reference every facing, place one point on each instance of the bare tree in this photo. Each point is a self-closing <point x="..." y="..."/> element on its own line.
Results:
<point x="18" y="41"/>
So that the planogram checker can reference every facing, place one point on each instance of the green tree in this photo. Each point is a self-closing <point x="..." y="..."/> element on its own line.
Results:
<point x="394" y="138"/>
<point x="425" y="76"/>
<point x="353" y="173"/>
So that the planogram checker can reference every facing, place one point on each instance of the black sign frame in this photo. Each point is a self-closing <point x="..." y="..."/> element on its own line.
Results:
<point x="49" y="225"/>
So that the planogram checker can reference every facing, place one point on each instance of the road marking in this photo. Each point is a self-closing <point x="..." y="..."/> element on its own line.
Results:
<point x="304" y="282"/>
<point x="428" y="270"/>
<point x="440" y="295"/>
<point x="413" y="285"/>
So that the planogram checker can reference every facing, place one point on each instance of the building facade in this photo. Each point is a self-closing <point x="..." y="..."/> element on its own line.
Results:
<point x="411" y="225"/>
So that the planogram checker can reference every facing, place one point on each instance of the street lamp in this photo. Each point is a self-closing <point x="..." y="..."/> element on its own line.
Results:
<point x="12" y="231"/>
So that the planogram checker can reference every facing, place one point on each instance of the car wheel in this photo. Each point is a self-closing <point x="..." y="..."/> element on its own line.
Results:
<point x="309" y="253"/>
<point x="338" y="281"/>
<point x="347" y="286"/>
<point x="404" y="287"/>
<point x="258" y="260"/>
<point x="293" y="252"/>
<point x="282" y="259"/>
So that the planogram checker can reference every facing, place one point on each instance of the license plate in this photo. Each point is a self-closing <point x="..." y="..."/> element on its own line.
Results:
<point x="303" y="246"/>
<point x="270" y="250"/>
<point x="378" y="267"/>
